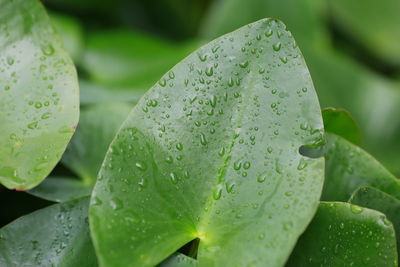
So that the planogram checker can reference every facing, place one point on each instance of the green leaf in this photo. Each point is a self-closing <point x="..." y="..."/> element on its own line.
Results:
<point x="97" y="94"/>
<point x="61" y="189"/>
<point x="39" y="95"/>
<point x="85" y="153"/>
<point x="342" y="234"/>
<point x="97" y="128"/>
<point x="340" y="122"/>
<point x="373" y="198"/>
<point x="374" y="24"/>
<point x="71" y="34"/>
<point x="54" y="236"/>
<point x="348" y="167"/>
<point x="121" y="58"/>
<point x="212" y="152"/>
<point x="179" y="260"/>
<point x="301" y="16"/>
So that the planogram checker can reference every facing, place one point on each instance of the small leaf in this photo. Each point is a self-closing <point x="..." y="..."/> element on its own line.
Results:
<point x="61" y="189"/>
<point x="54" y="236"/>
<point x="39" y="95"/>
<point x="373" y="198"/>
<point x="348" y="167"/>
<point x="179" y="260"/>
<point x="212" y="152"/>
<point x="342" y="234"/>
<point x="340" y="122"/>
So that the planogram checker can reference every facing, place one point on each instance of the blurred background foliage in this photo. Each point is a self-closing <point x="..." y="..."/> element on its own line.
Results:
<point x="122" y="47"/>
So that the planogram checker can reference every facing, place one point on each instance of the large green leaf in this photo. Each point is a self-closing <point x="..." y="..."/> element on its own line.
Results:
<point x="348" y="167"/>
<point x="212" y="152"/>
<point x="121" y="58"/>
<point x="374" y="24"/>
<point x="373" y="198"/>
<point x="342" y="234"/>
<point x="54" y="236"/>
<point x="340" y="122"/>
<point x="39" y="96"/>
<point x="97" y="128"/>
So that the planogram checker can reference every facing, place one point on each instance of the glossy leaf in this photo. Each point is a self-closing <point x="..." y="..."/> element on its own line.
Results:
<point x="54" y="236"/>
<point x="340" y="122"/>
<point x="342" y="234"/>
<point x="97" y="128"/>
<point x="71" y="34"/>
<point x="373" y="198"/>
<point x="121" y="58"/>
<point x="39" y="96"/>
<point x="374" y="24"/>
<point x="61" y="189"/>
<point x="212" y="152"/>
<point x="348" y="167"/>
<point x="179" y="260"/>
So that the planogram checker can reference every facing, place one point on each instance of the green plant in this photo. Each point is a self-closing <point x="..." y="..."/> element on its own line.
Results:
<point x="226" y="160"/>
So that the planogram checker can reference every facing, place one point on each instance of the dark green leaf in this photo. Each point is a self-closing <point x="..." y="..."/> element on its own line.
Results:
<point x="61" y="189"/>
<point x="71" y="34"/>
<point x="54" y="236"/>
<point x="97" y="128"/>
<point x="348" y="167"/>
<point x="129" y="60"/>
<point x="97" y="94"/>
<point x="340" y="122"/>
<point x="342" y="234"/>
<point x="39" y="96"/>
<point x="301" y="16"/>
<point x="375" y="24"/>
<point x="212" y="152"/>
<point x="373" y="198"/>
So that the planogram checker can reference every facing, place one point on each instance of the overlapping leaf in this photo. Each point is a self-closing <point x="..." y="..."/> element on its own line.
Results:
<point x="342" y="234"/>
<point x="54" y="236"/>
<point x="373" y="198"/>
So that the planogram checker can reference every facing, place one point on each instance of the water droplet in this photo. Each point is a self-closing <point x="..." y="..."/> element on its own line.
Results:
<point x="246" y="165"/>
<point x="277" y="46"/>
<point x="203" y="139"/>
<point x="173" y="177"/>
<point x="48" y="50"/>
<point x="209" y="71"/>
<point x="302" y="164"/>
<point x="10" y="60"/>
<point x="141" y="166"/>
<point x="217" y="193"/>
<point x="244" y="64"/>
<point x="162" y="82"/>
<point x="356" y="209"/>
<point x="179" y="146"/>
